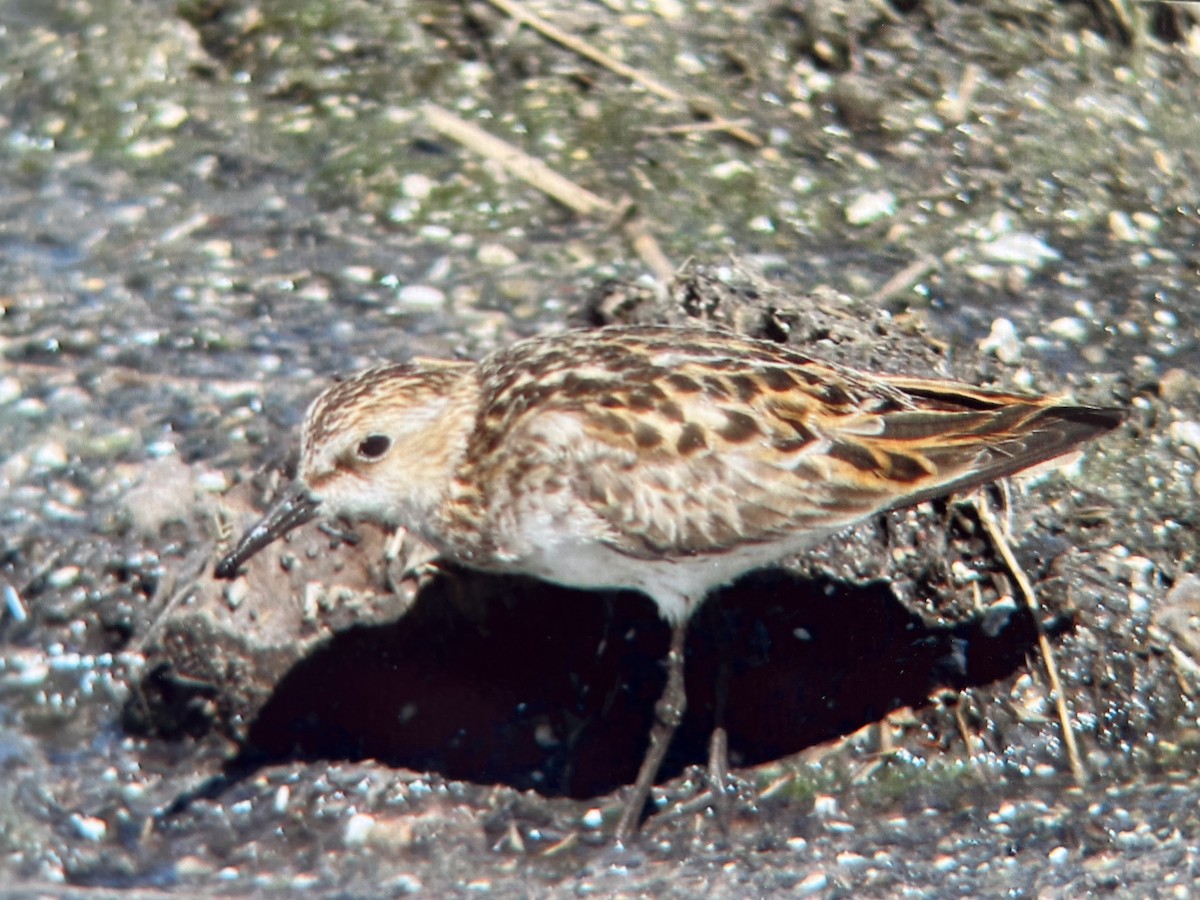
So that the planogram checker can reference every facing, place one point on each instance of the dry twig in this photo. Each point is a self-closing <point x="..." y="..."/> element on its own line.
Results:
<point x="581" y="47"/>
<point x="536" y="173"/>
<point x="997" y="536"/>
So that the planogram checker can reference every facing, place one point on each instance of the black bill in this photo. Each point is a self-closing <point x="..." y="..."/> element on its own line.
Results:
<point x="296" y="507"/>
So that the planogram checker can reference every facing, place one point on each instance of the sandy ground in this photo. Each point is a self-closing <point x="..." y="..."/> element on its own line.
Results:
<point x="210" y="209"/>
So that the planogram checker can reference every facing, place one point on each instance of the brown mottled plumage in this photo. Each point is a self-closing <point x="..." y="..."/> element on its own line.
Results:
<point x="665" y="460"/>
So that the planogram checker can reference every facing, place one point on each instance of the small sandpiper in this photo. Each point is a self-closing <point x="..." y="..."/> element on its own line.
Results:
<point x="664" y="460"/>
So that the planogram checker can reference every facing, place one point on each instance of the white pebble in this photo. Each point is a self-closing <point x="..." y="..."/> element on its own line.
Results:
<point x="817" y="881"/>
<point x="497" y="255"/>
<point x="1007" y="812"/>
<point x="10" y="390"/>
<point x="14" y="604"/>
<point x="417" y="186"/>
<point x="802" y="184"/>
<point x="730" y="169"/>
<point x="89" y="827"/>
<point x="870" y="207"/>
<point x="422" y="296"/>
<point x="148" y="148"/>
<point x="63" y="577"/>
<point x="405" y="884"/>
<point x="1019" y="249"/>
<point x="212" y="481"/>
<point x="358" y="828"/>
<point x="1003" y="342"/>
<point x="1121" y="227"/>
<point x="848" y="860"/>
<point x="1187" y="433"/>
<point x="593" y="818"/>
<point x="170" y="115"/>
<point x="51" y="455"/>
<point x="689" y="64"/>
<point x="1069" y="328"/>
<point x="825" y="806"/>
<point x="236" y="592"/>
<point x="435" y="233"/>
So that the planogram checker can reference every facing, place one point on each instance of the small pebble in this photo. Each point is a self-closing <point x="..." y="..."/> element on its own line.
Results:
<point x="848" y="860"/>
<point x="1002" y="342"/>
<point x="1121" y="227"/>
<point x="10" y="390"/>
<point x="825" y="806"/>
<point x="1019" y="249"/>
<point x="1187" y="433"/>
<point x="51" y="455"/>
<point x="496" y="255"/>
<point x="63" y="577"/>
<point x="358" y="828"/>
<point x="1069" y="328"/>
<point x="817" y="881"/>
<point x="689" y="64"/>
<point x="421" y="296"/>
<point x="730" y="169"/>
<point x="89" y="827"/>
<point x="14" y="604"/>
<point x="148" y="148"/>
<point x="417" y="186"/>
<point x="236" y="592"/>
<point x="404" y="884"/>
<point x="170" y="115"/>
<point x="870" y="207"/>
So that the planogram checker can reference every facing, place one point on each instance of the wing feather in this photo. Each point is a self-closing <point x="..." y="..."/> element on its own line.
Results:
<point x="682" y="443"/>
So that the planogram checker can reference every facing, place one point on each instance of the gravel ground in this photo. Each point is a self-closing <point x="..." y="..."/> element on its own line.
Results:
<point x="210" y="208"/>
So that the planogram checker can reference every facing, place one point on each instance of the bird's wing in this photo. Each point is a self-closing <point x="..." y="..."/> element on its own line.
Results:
<point x="680" y="452"/>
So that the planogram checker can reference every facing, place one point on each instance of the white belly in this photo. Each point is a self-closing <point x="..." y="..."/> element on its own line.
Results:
<point x="677" y="586"/>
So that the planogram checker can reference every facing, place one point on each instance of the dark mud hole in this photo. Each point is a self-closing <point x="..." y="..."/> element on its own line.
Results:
<point x="512" y="681"/>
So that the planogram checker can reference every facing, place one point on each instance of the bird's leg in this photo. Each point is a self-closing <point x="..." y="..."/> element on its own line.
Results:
<point x="668" y="713"/>
<point x="717" y="774"/>
<point x="718" y="742"/>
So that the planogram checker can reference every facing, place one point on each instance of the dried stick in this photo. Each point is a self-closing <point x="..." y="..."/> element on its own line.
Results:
<point x="536" y="173"/>
<point x="904" y="280"/>
<point x="996" y="535"/>
<point x="577" y="45"/>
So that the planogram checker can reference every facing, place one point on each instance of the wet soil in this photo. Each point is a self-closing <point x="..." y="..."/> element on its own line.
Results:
<point x="211" y="208"/>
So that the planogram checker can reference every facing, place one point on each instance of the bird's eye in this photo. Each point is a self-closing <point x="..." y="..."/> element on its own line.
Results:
<point x="374" y="446"/>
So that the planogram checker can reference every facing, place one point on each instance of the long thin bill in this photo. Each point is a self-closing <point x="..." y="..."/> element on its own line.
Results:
<point x="295" y="508"/>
